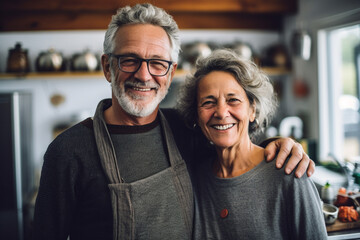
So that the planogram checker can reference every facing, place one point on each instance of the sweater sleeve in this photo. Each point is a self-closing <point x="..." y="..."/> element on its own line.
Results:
<point x="305" y="212"/>
<point x="55" y="202"/>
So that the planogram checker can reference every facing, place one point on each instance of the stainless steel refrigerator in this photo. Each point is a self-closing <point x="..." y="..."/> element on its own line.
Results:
<point x="16" y="165"/>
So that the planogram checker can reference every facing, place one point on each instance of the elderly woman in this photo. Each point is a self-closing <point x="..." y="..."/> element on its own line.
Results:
<point x="238" y="194"/>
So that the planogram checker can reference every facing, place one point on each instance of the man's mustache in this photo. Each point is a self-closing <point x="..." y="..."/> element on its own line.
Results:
<point x="137" y="83"/>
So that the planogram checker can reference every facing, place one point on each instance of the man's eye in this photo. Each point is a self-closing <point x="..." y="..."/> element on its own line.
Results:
<point x="159" y="64"/>
<point x="129" y="61"/>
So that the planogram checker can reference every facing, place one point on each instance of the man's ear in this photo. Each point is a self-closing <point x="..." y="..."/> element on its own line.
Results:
<point x="172" y="71"/>
<point x="105" y="63"/>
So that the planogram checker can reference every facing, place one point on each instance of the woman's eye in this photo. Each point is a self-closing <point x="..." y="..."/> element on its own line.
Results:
<point x="207" y="103"/>
<point x="233" y="100"/>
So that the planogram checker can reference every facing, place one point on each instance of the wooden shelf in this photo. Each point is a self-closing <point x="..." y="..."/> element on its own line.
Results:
<point x="276" y="71"/>
<point x="271" y="71"/>
<point x="69" y="75"/>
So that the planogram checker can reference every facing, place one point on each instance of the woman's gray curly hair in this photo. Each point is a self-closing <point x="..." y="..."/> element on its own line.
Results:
<point x="143" y="14"/>
<point x="256" y="84"/>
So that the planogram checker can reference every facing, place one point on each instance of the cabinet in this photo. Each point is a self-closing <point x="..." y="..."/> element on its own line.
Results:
<point x="24" y="15"/>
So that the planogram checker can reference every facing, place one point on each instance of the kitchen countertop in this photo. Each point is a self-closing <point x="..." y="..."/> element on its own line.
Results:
<point x="347" y="234"/>
<point x="339" y="230"/>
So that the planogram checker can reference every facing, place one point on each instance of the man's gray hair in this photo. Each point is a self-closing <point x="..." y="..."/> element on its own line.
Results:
<point x="256" y="84"/>
<point x="143" y="14"/>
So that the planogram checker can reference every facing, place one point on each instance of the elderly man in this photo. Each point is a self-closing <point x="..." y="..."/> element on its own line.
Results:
<point x="125" y="173"/>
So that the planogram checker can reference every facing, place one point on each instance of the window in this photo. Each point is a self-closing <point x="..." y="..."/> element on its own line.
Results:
<point x="339" y="92"/>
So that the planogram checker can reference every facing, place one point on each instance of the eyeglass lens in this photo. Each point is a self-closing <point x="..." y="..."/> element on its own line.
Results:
<point x="155" y="66"/>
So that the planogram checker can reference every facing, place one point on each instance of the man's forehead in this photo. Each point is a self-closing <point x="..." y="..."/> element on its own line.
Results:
<point x="142" y="39"/>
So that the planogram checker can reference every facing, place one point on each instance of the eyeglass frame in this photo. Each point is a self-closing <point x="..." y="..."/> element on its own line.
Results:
<point x="118" y="56"/>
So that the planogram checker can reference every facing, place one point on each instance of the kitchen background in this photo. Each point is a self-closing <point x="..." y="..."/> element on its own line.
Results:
<point x="269" y="28"/>
<point x="80" y="94"/>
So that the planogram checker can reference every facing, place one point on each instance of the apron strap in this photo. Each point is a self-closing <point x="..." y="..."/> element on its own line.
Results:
<point x="104" y="145"/>
<point x="174" y="155"/>
<point x="120" y="195"/>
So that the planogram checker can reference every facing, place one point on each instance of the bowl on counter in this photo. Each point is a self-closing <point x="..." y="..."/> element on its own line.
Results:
<point x="330" y="213"/>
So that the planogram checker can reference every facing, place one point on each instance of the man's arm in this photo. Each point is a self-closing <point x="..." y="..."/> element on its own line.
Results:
<point x="54" y="203"/>
<point x="285" y="147"/>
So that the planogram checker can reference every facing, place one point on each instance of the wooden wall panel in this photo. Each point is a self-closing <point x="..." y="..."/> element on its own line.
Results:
<point x="25" y="15"/>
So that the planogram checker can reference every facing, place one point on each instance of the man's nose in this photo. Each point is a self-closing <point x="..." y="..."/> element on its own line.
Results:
<point x="143" y="73"/>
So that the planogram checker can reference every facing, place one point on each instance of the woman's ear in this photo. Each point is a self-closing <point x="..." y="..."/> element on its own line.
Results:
<point x="196" y="121"/>
<point x="252" y="112"/>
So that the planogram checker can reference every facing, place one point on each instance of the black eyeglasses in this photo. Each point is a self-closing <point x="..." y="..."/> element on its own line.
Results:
<point x="131" y="64"/>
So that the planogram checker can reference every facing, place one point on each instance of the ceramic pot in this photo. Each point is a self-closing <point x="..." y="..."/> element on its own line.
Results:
<point x="18" y="60"/>
<point x="330" y="213"/>
<point x="244" y="50"/>
<point x="50" y="61"/>
<point x="85" y="61"/>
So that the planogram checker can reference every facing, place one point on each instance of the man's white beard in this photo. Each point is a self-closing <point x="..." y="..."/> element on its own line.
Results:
<point x="129" y="102"/>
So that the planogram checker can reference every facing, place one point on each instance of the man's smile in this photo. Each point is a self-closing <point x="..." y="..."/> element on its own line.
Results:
<point x="141" y="87"/>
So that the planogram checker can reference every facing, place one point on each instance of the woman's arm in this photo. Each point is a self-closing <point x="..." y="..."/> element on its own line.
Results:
<point x="304" y="210"/>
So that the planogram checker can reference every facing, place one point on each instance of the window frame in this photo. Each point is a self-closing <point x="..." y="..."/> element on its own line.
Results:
<point x="331" y="131"/>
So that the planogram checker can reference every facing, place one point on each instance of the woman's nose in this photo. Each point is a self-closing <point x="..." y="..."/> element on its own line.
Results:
<point x="221" y="111"/>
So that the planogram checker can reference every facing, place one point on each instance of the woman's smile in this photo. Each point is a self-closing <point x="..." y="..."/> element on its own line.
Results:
<point x="223" y="126"/>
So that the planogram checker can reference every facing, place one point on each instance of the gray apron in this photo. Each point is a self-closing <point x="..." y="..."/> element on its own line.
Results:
<point x="156" y="207"/>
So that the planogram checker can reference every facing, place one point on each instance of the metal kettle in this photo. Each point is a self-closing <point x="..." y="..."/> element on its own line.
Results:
<point x="85" y="61"/>
<point x="18" y="61"/>
<point x="301" y="44"/>
<point x="50" y="61"/>
<point x="243" y="49"/>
